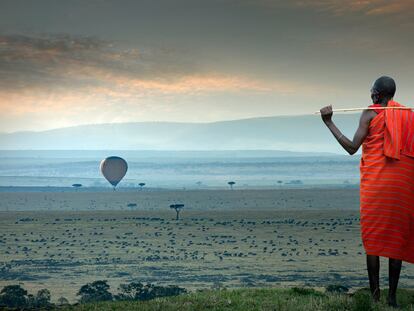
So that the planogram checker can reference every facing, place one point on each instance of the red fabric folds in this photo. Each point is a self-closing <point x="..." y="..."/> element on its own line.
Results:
<point x="399" y="131"/>
<point x="377" y="106"/>
<point x="387" y="185"/>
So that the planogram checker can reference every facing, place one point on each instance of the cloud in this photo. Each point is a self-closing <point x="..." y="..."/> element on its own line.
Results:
<point x="366" y="7"/>
<point x="392" y="7"/>
<point x="341" y="7"/>
<point x="194" y="84"/>
<point x="124" y="90"/>
<point x="69" y="78"/>
<point x="65" y="62"/>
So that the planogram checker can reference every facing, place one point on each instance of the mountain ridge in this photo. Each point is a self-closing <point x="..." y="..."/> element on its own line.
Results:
<point x="154" y="122"/>
<point x="291" y="133"/>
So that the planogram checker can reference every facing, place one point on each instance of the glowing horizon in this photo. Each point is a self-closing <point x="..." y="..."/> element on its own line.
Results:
<point x="195" y="62"/>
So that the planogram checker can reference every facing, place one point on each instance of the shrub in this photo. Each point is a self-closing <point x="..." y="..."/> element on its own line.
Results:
<point x="41" y="300"/>
<point x="139" y="291"/>
<point x="95" y="291"/>
<point x="336" y="288"/>
<point x="62" y="301"/>
<point x="13" y="296"/>
<point x="305" y="291"/>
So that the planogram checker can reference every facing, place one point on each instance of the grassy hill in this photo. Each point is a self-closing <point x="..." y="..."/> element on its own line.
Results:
<point x="296" y="299"/>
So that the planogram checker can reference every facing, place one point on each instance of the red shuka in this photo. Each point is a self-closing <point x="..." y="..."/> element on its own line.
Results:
<point x="387" y="185"/>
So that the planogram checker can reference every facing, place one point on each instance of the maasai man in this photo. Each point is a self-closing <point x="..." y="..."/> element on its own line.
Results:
<point x="387" y="182"/>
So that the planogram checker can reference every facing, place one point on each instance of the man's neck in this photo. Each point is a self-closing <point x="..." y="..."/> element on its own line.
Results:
<point x="384" y="101"/>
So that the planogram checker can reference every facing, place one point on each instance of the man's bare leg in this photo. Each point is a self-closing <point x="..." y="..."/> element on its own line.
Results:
<point x="373" y="267"/>
<point x="394" y="266"/>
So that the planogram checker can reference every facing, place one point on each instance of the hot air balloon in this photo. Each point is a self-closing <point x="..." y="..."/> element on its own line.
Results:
<point x="113" y="169"/>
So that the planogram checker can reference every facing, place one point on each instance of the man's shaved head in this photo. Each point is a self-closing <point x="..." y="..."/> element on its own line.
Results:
<point x="385" y="86"/>
<point x="383" y="89"/>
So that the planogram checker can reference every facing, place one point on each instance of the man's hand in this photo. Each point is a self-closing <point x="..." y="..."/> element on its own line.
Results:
<point x="326" y="114"/>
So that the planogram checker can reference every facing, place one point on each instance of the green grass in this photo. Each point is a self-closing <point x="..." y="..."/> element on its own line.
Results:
<point x="259" y="299"/>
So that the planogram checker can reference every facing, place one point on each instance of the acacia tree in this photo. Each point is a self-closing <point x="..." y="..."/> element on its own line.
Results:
<point x="231" y="184"/>
<point x="77" y="186"/>
<point x="177" y="208"/>
<point x="132" y="205"/>
<point x="141" y="185"/>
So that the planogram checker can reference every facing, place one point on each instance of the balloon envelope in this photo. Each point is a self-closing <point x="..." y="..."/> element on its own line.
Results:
<point x="114" y="169"/>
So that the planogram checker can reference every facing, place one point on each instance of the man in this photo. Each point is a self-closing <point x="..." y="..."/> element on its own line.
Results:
<point x="387" y="182"/>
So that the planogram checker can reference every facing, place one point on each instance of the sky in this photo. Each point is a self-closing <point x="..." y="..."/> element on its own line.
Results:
<point x="72" y="62"/>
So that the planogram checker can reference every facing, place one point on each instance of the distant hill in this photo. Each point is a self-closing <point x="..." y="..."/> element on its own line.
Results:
<point x="294" y="133"/>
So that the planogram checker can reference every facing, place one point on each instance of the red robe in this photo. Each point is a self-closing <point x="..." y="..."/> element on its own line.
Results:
<point x="387" y="185"/>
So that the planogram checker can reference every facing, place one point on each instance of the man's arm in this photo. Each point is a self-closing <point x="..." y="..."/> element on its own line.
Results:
<point x="350" y="146"/>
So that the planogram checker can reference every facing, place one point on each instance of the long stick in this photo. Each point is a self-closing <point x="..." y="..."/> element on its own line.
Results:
<point x="366" y="108"/>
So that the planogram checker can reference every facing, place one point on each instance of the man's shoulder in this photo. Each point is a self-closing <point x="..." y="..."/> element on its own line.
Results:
<point x="393" y="103"/>
<point x="368" y="114"/>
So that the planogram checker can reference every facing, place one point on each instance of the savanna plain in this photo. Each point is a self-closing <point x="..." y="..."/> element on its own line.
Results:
<point x="61" y="240"/>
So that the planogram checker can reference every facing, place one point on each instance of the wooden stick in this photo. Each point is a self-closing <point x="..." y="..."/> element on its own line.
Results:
<point x="366" y="108"/>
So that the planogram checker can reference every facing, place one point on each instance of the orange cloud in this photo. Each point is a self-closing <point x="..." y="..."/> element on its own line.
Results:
<point x="68" y="82"/>
<point x="367" y="7"/>
<point x="120" y="88"/>
<point x="390" y="7"/>
<point x="65" y="64"/>
<point x="339" y="7"/>
<point x="198" y="84"/>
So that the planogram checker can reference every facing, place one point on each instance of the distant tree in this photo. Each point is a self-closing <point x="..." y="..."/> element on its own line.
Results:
<point x="31" y="301"/>
<point x="280" y="182"/>
<point x="43" y="297"/>
<point x="177" y="208"/>
<point x="132" y="205"/>
<point x="41" y="300"/>
<point x="199" y="183"/>
<point x="77" y="186"/>
<point x="139" y="291"/>
<point x="141" y="185"/>
<point x="13" y="296"/>
<point x="296" y="182"/>
<point x="231" y="184"/>
<point x="163" y="291"/>
<point x="62" y="301"/>
<point x="95" y="291"/>
<point x="129" y="291"/>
